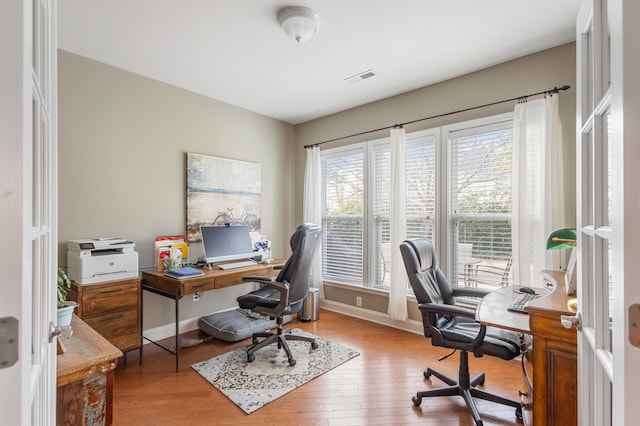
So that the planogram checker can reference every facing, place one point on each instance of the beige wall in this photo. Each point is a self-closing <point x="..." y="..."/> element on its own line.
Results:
<point x="529" y="74"/>
<point x="122" y="145"/>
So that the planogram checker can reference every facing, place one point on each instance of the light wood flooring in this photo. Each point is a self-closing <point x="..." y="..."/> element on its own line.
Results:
<point x="374" y="388"/>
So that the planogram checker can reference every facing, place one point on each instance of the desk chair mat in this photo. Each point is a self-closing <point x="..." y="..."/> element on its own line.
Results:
<point x="237" y="324"/>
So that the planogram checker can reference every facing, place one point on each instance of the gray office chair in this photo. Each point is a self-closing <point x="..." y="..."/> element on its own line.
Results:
<point x="284" y="295"/>
<point x="454" y="327"/>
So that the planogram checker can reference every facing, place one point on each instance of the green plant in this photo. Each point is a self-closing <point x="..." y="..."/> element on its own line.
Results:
<point x="64" y="284"/>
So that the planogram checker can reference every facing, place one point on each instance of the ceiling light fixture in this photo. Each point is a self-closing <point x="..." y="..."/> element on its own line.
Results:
<point x="298" y="23"/>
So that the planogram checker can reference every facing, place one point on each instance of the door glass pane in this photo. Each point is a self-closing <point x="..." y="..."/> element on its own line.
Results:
<point x="588" y="269"/>
<point x="605" y="54"/>
<point x="608" y="174"/>
<point x="605" y="295"/>
<point x="587" y="66"/>
<point x="609" y="296"/>
<point x="588" y="159"/>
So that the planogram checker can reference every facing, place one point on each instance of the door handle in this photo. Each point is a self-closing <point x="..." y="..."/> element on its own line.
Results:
<point x="63" y="331"/>
<point x="569" y="321"/>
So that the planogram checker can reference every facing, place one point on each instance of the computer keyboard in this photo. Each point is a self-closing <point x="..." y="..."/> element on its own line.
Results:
<point x="237" y="264"/>
<point x="520" y="302"/>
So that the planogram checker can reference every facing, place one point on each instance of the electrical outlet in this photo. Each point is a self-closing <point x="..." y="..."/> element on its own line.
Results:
<point x="197" y="296"/>
<point x="358" y="301"/>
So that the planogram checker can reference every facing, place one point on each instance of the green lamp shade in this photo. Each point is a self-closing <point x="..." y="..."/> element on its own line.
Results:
<point x="561" y="239"/>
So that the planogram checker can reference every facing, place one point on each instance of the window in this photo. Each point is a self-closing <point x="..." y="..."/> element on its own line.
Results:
<point x="479" y="214"/>
<point x="473" y="227"/>
<point x="343" y="216"/>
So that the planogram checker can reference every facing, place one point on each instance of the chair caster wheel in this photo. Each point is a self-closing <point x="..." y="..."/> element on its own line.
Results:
<point x="426" y="374"/>
<point x="254" y="340"/>
<point x="416" y="401"/>
<point x="314" y="345"/>
<point x="519" y="413"/>
<point x="251" y="357"/>
<point x="292" y="362"/>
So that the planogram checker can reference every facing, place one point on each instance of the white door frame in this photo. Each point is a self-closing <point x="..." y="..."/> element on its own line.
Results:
<point x="608" y="205"/>
<point x="28" y="206"/>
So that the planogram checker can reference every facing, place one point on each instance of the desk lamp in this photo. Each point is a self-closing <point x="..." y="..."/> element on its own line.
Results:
<point x="562" y="239"/>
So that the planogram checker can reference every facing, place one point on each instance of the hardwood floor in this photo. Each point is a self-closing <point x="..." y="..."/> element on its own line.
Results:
<point x="374" y="388"/>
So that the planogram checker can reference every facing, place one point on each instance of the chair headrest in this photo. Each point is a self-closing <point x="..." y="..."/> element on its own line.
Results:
<point x="306" y="229"/>
<point x="425" y="253"/>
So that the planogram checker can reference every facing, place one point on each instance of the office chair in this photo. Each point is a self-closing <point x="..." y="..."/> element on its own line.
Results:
<point x="284" y="295"/>
<point x="454" y="327"/>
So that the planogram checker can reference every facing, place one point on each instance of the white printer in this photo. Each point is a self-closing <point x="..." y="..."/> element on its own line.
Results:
<point x="101" y="259"/>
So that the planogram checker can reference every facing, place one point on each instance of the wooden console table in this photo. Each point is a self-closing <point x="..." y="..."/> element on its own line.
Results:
<point x="84" y="378"/>
<point x="213" y="279"/>
<point x="552" y="397"/>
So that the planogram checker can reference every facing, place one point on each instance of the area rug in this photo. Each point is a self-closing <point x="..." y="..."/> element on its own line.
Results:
<point x="253" y="385"/>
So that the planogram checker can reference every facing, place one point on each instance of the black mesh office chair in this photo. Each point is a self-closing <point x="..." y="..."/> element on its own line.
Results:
<point x="454" y="327"/>
<point x="284" y="295"/>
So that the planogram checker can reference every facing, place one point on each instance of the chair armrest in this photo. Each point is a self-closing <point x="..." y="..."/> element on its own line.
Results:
<point x="283" y="289"/>
<point x="469" y="292"/>
<point x="257" y="278"/>
<point x="438" y="308"/>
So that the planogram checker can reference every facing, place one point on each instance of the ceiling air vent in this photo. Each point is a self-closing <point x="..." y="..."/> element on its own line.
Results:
<point x="360" y="77"/>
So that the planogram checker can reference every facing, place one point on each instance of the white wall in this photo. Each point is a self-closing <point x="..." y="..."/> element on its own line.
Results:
<point x="123" y="139"/>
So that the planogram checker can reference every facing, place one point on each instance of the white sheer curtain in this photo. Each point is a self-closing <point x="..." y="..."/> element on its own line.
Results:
<point x="538" y="186"/>
<point x="312" y="209"/>
<point x="398" y="226"/>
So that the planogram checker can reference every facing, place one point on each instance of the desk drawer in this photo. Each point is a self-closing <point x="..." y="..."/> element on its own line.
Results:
<point x="121" y="328"/>
<point x="107" y="299"/>
<point x="196" y="285"/>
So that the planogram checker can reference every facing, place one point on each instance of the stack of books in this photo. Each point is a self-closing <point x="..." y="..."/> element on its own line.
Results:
<point x="182" y="273"/>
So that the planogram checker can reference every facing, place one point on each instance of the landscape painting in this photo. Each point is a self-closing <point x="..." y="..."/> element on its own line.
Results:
<point x="221" y="191"/>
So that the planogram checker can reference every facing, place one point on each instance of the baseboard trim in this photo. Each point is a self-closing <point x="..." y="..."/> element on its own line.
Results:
<point x="409" y="325"/>
<point x="190" y="324"/>
<point x="168" y="330"/>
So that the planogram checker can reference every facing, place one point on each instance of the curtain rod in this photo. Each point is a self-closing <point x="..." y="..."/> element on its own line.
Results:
<point x="399" y="125"/>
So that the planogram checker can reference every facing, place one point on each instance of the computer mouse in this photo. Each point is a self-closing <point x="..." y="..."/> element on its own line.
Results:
<point x="527" y="290"/>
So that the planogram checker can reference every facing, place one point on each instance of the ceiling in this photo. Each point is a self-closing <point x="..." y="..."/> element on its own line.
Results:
<point x="234" y="50"/>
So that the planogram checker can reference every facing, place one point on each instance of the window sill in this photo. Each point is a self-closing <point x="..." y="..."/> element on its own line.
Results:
<point x="374" y="291"/>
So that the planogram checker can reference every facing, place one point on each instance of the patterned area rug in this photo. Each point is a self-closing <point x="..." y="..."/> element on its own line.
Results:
<point x="253" y="385"/>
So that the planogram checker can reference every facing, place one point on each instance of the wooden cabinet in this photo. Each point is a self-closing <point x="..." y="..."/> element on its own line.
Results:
<point x="112" y="308"/>
<point x="84" y="378"/>
<point x="555" y="393"/>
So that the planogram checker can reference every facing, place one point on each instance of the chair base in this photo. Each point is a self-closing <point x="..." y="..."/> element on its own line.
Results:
<point x="466" y="388"/>
<point x="280" y="337"/>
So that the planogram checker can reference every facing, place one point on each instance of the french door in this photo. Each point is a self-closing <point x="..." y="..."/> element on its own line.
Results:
<point x="608" y="225"/>
<point x="28" y="204"/>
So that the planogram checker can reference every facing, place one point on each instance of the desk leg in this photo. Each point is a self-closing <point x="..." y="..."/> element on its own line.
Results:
<point x="141" y="323"/>
<point x="177" y="300"/>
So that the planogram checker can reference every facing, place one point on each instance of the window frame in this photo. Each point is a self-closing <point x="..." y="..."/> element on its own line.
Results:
<point x="442" y="232"/>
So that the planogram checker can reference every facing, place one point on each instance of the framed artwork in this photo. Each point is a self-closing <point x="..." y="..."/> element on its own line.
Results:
<point x="221" y="191"/>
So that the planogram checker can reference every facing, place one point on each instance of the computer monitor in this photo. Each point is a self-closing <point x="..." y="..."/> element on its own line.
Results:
<point x="222" y="243"/>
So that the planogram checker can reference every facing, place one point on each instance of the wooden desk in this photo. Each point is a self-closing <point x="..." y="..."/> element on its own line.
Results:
<point x="552" y="397"/>
<point x="213" y="279"/>
<point x="84" y="377"/>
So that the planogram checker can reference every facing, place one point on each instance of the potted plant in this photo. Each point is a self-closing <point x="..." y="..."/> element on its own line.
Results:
<point x="65" y="307"/>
